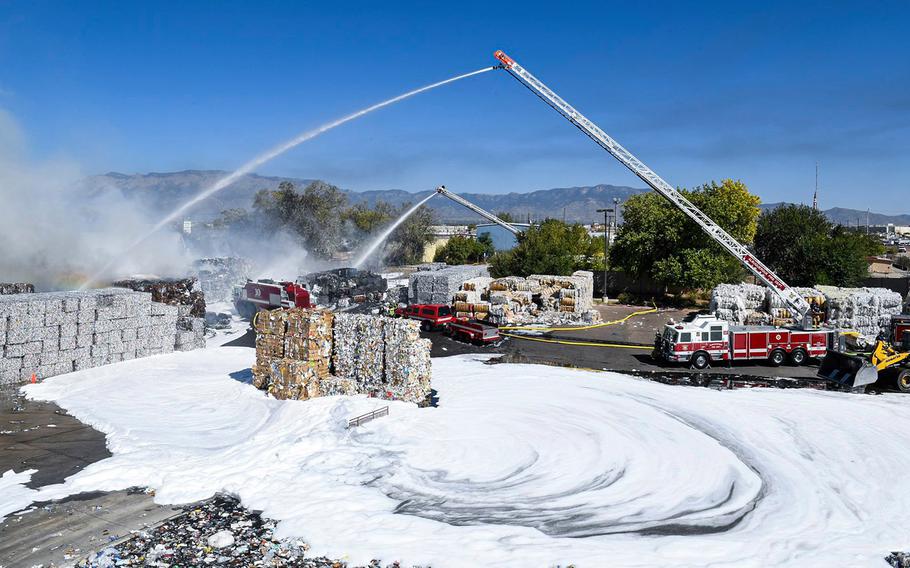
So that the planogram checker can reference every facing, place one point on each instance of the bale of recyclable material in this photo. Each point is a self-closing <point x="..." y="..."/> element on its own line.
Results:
<point x="866" y="310"/>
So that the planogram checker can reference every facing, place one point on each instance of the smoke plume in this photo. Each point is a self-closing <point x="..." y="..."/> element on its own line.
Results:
<point x="54" y="231"/>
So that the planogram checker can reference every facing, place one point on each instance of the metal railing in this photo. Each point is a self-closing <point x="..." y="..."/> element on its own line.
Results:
<point x="364" y="418"/>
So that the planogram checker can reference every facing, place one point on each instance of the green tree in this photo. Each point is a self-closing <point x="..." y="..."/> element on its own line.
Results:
<point x="804" y="248"/>
<point x="507" y="217"/>
<point x="553" y="247"/>
<point x="658" y="240"/>
<point x="465" y="250"/>
<point x="368" y="219"/>
<point x="315" y="215"/>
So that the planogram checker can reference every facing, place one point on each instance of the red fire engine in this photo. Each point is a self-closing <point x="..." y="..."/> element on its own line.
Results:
<point x="703" y="339"/>
<point x="268" y="295"/>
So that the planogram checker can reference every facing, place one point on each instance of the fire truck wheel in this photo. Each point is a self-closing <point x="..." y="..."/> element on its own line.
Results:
<point x="777" y="358"/>
<point x="700" y="360"/>
<point x="903" y="381"/>
<point x="798" y="357"/>
<point x="425" y="325"/>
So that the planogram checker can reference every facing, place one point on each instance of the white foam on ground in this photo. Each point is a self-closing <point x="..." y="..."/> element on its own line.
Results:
<point x="14" y="495"/>
<point x="521" y="465"/>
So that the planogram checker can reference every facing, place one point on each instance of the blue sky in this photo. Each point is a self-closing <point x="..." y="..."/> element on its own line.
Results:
<point x="755" y="91"/>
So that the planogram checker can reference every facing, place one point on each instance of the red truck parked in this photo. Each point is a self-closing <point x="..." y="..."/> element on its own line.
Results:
<point x="704" y="339"/>
<point x="431" y="316"/>
<point x="473" y="330"/>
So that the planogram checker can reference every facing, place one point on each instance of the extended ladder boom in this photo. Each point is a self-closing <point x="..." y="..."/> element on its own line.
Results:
<point x="796" y="302"/>
<point x="482" y="212"/>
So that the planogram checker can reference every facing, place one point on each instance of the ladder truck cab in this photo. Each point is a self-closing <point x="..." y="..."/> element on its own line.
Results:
<point x="267" y="294"/>
<point x="702" y="339"/>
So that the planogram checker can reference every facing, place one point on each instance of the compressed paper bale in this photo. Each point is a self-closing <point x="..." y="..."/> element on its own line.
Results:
<point x="407" y="361"/>
<point x="334" y="386"/>
<point x="358" y="348"/>
<point x="273" y="322"/>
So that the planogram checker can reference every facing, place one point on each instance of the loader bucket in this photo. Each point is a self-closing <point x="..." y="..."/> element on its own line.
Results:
<point x="851" y="371"/>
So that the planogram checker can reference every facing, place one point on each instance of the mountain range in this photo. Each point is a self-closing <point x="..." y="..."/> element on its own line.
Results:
<point x="163" y="192"/>
<point x="853" y="217"/>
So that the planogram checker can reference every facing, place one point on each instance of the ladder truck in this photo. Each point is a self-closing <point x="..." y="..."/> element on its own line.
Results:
<point x="724" y="341"/>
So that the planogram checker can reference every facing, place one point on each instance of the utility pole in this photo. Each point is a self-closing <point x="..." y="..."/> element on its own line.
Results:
<point x="606" y="212"/>
<point x="815" y="196"/>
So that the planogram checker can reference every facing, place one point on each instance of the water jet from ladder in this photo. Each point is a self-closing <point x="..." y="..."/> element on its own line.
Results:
<point x="385" y="234"/>
<point x="262" y="159"/>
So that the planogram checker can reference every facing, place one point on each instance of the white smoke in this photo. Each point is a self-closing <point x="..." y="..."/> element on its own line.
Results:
<point x="54" y="231"/>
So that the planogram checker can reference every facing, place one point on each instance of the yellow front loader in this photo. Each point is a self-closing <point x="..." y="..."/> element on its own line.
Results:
<point x="855" y="370"/>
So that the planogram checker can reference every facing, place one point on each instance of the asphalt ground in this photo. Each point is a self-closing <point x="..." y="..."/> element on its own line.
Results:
<point x="42" y="436"/>
<point x="610" y="349"/>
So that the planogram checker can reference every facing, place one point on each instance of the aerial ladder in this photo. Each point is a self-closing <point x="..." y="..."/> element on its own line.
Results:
<point x="799" y="307"/>
<point x="482" y="212"/>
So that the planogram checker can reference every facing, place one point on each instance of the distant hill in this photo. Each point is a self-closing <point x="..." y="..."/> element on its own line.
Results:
<point x="849" y="217"/>
<point x="162" y="192"/>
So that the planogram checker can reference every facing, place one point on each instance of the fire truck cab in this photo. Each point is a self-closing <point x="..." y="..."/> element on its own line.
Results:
<point x="702" y="339"/>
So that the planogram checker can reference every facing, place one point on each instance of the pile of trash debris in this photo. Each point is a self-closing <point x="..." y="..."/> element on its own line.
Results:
<point x="9" y="288"/>
<point x="218" y="532"/>
<point x="539" y="298"/>
<point x="219" y="275"/>
<point x="307" y="353"/>
<point x="170" y="291"/>
<point x="866" y="310"/>
<point x="345" y="286"/>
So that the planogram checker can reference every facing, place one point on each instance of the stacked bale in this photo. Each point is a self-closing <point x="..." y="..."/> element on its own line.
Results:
<point x="271" y="329"/>
<point x="866" y="310"/>
<point x="358" y="350"/>
<point x="472" y="301"/>
<point x="439" y="286"/>
<point x="54" y="333"/>
<point x="737" y="303"/>
<point x="407" y="361"/>
<point x="189" y="302"/>
<point x="369" y="355"/>
<point x="543" y="298"/>
<point x="293" y="352"/>
<point x="572" y="294"/>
